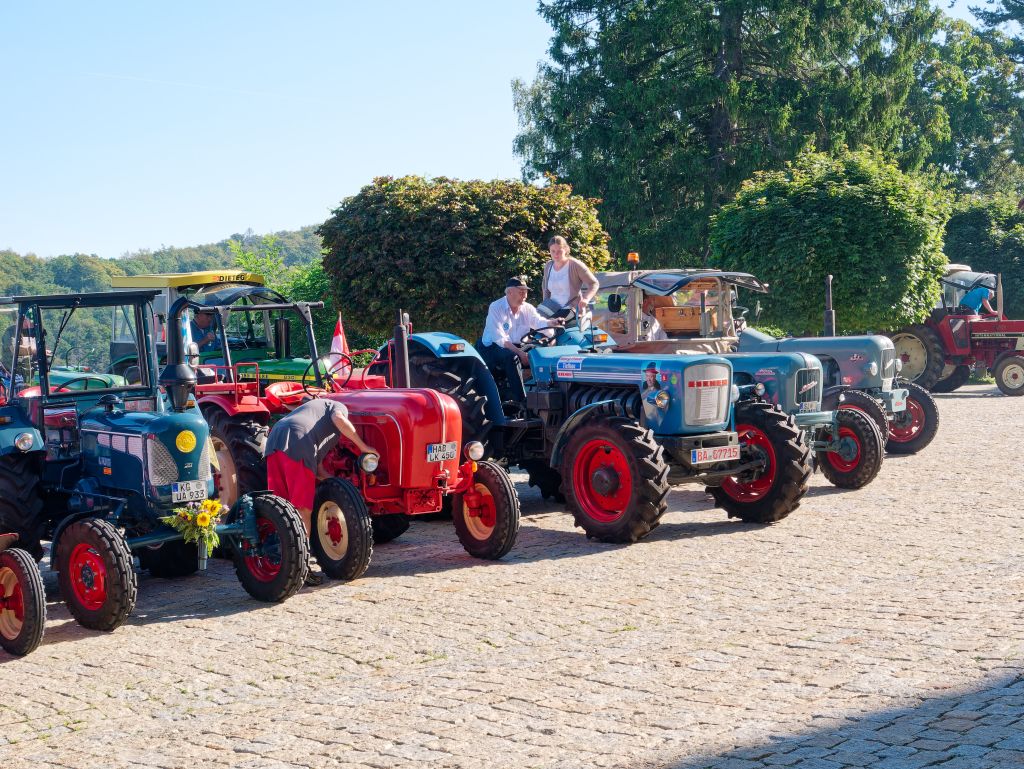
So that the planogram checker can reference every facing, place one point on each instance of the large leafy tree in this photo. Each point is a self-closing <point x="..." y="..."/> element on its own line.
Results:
<point x="662" y="108"/>
<point x="854" y="216"/>
<point x="442" y="248"/>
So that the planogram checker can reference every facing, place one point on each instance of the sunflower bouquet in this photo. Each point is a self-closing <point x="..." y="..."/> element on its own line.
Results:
<point x="198" y="523"/>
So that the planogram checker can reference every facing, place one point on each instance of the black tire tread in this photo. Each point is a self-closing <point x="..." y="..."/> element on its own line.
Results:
<point x="506" y="523"/>
<point x="872" y="406"/>
<point x="21" y="505"/>
<point x="122" y="583"/>
<point x="358" y="523"/>
<point x="649" y="502"/>
<point x="34" y="596"/>
<point x="295" y="552"/>
<point x="960" y="376"/>
<point x="871" y="452"/>
<point x="426" y="371"/>
<point x="389" y="527"/>
<point x="794" y="459"/>
<point x="246" y="439"/>
<point x="931" y="428"/>
<point x="936" y="355"/>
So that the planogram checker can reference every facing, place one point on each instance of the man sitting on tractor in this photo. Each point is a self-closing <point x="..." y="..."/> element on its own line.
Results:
<point x="203" y="333"/>
<point x="508" y="320"/>
<point x="296" y="447"/>
<point x="977" y="298"/>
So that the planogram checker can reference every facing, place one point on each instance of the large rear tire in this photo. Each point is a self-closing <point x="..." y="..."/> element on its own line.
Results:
<point x="342" y="536"/>
<point x="1009" y="375"/>
<point x="615" y="479"/>
<point x="22" y="602"/>
<point x="274" y="567"/>
<point x="920" y="349"/>
<point x="240" y="442"/>
<point x="870" y="407"/>
<point x="21" y="506"/>
<point x="859" y="456"/>
<point x="957" y="379"/>
<point x="487" y="529"/>
<point x="915" y="427"/>
<point x="96" y="577"/>
<point x="546" y="478"/>
<point x="772" y="435"/>
<point x="391" y="526"/>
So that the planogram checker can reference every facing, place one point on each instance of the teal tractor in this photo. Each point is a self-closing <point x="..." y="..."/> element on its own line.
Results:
<point x="612" y="433"/>
<point x="97" y="469"/>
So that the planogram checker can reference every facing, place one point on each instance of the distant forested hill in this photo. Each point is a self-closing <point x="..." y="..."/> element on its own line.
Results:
<point x="30" y="274"/>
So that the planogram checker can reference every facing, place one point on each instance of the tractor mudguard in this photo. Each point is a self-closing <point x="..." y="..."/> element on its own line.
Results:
<point x="445" y="347"/>
<point x="16" y="421"/>
<point x="58" y="532"/>
<point x="227" y="404"/>
<point x="830" y="397"/>
<point x="576" y="419"/>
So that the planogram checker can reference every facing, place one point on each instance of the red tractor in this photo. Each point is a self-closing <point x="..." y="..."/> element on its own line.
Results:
<point x="939" y="353"/>
<point x="22" y="599"/>
<point x="422" y="462"/>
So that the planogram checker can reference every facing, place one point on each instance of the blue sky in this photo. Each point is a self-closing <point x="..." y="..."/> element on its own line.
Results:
<point x="129" y="125"/>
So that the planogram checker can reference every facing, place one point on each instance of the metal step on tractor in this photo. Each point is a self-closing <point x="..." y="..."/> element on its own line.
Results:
<point x="940" y="353"/>
<point x="423" y="463"/>
<point x="691" y="311"/>
<point x="612" y="433"/>
<point x="95" y="470"/>
<point x="668" y="310"/>
<point x="22" y="599"/>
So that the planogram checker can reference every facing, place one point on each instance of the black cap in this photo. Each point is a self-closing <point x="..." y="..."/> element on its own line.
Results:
<point x="519" y="281"/>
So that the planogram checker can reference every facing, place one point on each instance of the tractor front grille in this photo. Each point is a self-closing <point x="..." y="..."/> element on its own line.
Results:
<point x="888" y="364"/>
<point x="706" y="389"/>
<point x="163" y="470"/>
<point x="808" y="385"/>
<point x="204" y="462"/>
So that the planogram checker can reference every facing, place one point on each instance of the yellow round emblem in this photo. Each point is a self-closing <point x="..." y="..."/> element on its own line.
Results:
<point x="186" y="441"/>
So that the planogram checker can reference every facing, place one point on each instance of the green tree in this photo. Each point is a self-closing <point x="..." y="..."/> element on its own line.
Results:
<point x="662" y="109"/>
<point x="988" y="234"/>
<point x="876" y="229"/>
<point x="264" y="258"/>
<point x="442" y="249"/>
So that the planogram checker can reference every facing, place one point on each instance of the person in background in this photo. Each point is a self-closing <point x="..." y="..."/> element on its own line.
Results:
<point x="567" y="280"/>
<point x="295" y="448"/>
<point x="977" y="298"/>
<point x="203" y="333"/>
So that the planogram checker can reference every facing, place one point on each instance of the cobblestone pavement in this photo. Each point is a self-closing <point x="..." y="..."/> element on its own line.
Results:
<point x="874" y="628"/>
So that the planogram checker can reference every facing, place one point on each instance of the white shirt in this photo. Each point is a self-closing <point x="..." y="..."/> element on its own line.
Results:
<point x="503" y="325"/>
<point x="558" y="284"/>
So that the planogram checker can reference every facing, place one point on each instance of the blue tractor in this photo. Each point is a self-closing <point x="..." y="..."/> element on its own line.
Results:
<point x="94" y="463"/>
<point x="612" y="433"/>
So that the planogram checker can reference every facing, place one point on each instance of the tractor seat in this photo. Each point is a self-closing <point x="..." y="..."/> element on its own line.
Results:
<point x="285" y="396"/>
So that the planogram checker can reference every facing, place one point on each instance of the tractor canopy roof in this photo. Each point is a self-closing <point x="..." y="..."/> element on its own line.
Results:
<point x="968" y="280"/>
<point x="187" y="280"/>
<point x="98" y="299"/>
<point x="667" y="282"/>
<point x="222" y="295"/>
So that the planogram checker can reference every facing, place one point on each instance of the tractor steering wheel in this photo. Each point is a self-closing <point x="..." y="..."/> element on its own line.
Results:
<point x="65" y="387"/>
<point x="336" y="374"/>
<point x="84" y="350"/>
<point x="536" y="337"/>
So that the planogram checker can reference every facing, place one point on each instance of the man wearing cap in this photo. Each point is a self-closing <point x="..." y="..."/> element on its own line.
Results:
<point x="202" y="330"/>
<point x="508" y="320"/>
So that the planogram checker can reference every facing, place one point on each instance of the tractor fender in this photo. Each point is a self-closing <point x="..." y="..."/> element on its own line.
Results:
<point x="439" y="344"/>
<point x="576" y="419"/>
<point x="58" y="532"/>
<point x="1007" y="354"/>
<point x="830" y="397"/>
<point x="227" y="404"/>
<point x="8" y="436"/>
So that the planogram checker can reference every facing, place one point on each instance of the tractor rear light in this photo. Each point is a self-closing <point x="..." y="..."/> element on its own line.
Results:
<point x="369" y="462"/>
<point x="474" y="450"/>
<point x="24" y="441"/>
<point x="455" y="347"/>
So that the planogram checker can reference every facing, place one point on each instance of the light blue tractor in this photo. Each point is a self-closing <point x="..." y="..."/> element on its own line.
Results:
<point x="613" y="432"/>
<point x="95" y="463"/>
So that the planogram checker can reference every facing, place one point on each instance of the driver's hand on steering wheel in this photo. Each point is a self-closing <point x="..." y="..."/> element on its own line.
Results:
<point x="556" y="322"/>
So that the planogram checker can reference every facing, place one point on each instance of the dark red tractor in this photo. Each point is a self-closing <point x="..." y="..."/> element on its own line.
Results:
<point x="22" y="599"/>
<point x="940" y="353"/>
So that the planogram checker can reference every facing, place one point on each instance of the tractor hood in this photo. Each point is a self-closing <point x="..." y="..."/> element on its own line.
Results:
<point x="792" y="381"/>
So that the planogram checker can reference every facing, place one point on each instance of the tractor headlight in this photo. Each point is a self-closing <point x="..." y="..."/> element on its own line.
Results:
<point x="24" y="441"/>
<point x="759" y="389"/>
<point x="662" y="399"/>
<point x="734" y="394"/>
<point x="475" y="451"/>
<point x="368" y="462"/>
<point x="872" y="368"/>
<point x="899" y="365"/>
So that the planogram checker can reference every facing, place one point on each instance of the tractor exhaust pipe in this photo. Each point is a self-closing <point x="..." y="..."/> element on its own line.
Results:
<point x="400" y="357"/>
<point x="830" y="314"/>
<point x="178" y="378"/>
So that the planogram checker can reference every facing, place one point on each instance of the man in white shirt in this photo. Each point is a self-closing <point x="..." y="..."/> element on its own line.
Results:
<point x="508" y="320"/>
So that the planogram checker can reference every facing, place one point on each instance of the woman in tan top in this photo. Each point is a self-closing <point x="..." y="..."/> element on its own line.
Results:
<point x="565" y="277"/>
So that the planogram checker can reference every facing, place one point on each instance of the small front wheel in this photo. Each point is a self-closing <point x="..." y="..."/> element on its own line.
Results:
<point x="96" y="577"/>
<point x="1009" y="375"/>
<point x="857" y="451"/>
<point x="273" y="567"/>
<point x="342" y="536"/>
<point x="915" y="427"/>
<point x="486" y="517"/>
<point x="22" y="602"/>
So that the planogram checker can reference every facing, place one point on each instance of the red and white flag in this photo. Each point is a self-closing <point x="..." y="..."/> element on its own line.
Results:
<point x="339" y="344"/>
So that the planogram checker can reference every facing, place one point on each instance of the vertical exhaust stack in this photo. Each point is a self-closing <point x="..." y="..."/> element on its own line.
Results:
<point x="400" y="359"/>
<point x="830" y="314"/>
<point x="178" y="378"/>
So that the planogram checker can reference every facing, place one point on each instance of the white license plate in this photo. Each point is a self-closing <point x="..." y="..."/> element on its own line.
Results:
<point x="188" y="491"/>
<point x="442" y="452"/>
<point x="714" y="454"/>
<point x="899" y="405"/>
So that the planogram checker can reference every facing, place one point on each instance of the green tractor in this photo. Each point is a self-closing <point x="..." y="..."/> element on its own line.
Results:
<point x="97" y="464"/>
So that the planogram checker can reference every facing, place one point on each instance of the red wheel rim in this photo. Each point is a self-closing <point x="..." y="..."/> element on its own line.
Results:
<point x="753" y="490"/>
<point x="602" y="480"/>
<point x="88" y="576"/>
<point x="836" y="459"/>
<point x="906" y="426"/>
<point x="266" y="564"/>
